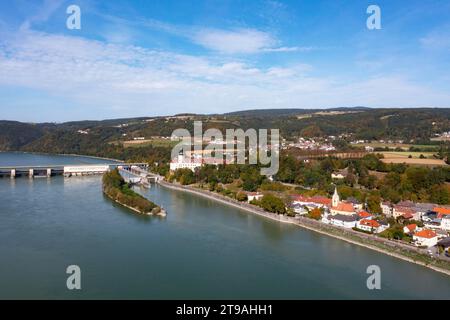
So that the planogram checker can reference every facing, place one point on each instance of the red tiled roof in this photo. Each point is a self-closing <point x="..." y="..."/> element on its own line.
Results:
<point x="411" y="227"/>
<point x="344" y="206"/>
<point x="364" y="214"/>
<point x="426" y="233"/>
<point x="408" y="215"/>
<point x="322" y="200"/>
<point x="369" y="223"/>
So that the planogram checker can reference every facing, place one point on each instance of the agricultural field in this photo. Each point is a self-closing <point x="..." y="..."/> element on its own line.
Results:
<point x="404" y="146"/>
<point x="404" y="157"/>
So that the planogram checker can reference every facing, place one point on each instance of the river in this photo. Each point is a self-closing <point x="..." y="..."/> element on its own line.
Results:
<point x="201" y="250"/>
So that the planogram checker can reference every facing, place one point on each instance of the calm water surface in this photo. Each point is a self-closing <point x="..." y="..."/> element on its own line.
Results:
<point x="201" y="250"/>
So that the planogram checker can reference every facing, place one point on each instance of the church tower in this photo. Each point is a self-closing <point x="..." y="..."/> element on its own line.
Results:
<point x="335" y="199"/>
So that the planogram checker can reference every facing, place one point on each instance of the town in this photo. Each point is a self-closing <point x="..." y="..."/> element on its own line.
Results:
<point x="422" y="225"/>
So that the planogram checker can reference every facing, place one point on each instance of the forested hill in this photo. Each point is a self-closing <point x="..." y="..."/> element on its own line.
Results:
<point x="14" y="135"/>
<point x="363" y="123"/>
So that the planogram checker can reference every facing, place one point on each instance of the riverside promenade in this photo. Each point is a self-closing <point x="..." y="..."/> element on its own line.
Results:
<point x="393" y="248"/>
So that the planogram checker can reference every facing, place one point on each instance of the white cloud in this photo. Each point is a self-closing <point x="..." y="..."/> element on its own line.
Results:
<point x="288" y="49"/>
<point x="111" y="80"/>
<point x="236" y="41"/>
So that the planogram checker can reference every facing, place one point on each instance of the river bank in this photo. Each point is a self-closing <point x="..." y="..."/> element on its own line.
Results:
<point x="385" y="246"/>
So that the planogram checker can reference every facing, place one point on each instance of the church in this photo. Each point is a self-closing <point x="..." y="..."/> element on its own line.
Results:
<point x="341" y="207"/>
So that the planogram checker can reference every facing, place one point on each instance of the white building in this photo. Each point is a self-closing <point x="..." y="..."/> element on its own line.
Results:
<point x="254" y="196"/>
<point x="386" y="208"/>
<point x="370" y="225"/>
<point x="411" y="228"/>
<point x="301" y="210"/>
<point x="425" y="238"/>
<point x="182" y="162"/>
<point x="340" y="220"/>
<point x="445" y="223"/>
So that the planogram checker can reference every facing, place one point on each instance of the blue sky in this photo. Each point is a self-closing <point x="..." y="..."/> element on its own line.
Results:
<point x="145" y="58"/>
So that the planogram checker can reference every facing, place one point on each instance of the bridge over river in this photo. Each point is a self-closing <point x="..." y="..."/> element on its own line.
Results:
<point x="133" y="170"/>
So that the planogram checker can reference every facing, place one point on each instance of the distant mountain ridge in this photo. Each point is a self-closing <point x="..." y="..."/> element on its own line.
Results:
<point x="363" y="123"/>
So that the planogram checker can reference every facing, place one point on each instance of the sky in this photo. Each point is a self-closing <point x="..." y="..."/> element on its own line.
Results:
<point x="147" y="58"/>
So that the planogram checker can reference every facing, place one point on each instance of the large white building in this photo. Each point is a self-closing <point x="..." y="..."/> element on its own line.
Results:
<point x="182" y="162"/>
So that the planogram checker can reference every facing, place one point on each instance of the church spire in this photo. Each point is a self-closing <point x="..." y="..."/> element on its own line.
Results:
<point x="335" y="199"/>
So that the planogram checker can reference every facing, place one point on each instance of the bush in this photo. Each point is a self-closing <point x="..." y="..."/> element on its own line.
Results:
<point x="273" y="204"/>
<point x="241" y="196"/>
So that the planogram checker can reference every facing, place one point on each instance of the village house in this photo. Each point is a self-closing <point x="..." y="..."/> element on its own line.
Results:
<point x="340" y="174"/>
<point x="411" y="229"/>
<point x="411" y="210"/>
<point x="425" y="238"/>
<point x="386" y="208"/>
<point x="370" y="225"/>
<point x="364" y="215"/>
<point x="356" y="204"/>
<point x="405" y="212"/>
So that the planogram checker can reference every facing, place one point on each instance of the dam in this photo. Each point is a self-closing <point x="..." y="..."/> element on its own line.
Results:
<point x="68" y="170"/>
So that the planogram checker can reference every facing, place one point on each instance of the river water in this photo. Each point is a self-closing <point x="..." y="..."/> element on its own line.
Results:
<point x="201" y="250"/>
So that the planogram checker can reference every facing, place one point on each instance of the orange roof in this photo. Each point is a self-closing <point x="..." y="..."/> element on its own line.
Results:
<point x="344" y="206"/>
<point x="316" y="199"/>
<point x="411" y="227"/>
<point x="322" y="200"/>
<point x="441" y="210"/>
<point x="369" y="223"/>
<point x="364" y="214"/>
<point x="426" y="233"/>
